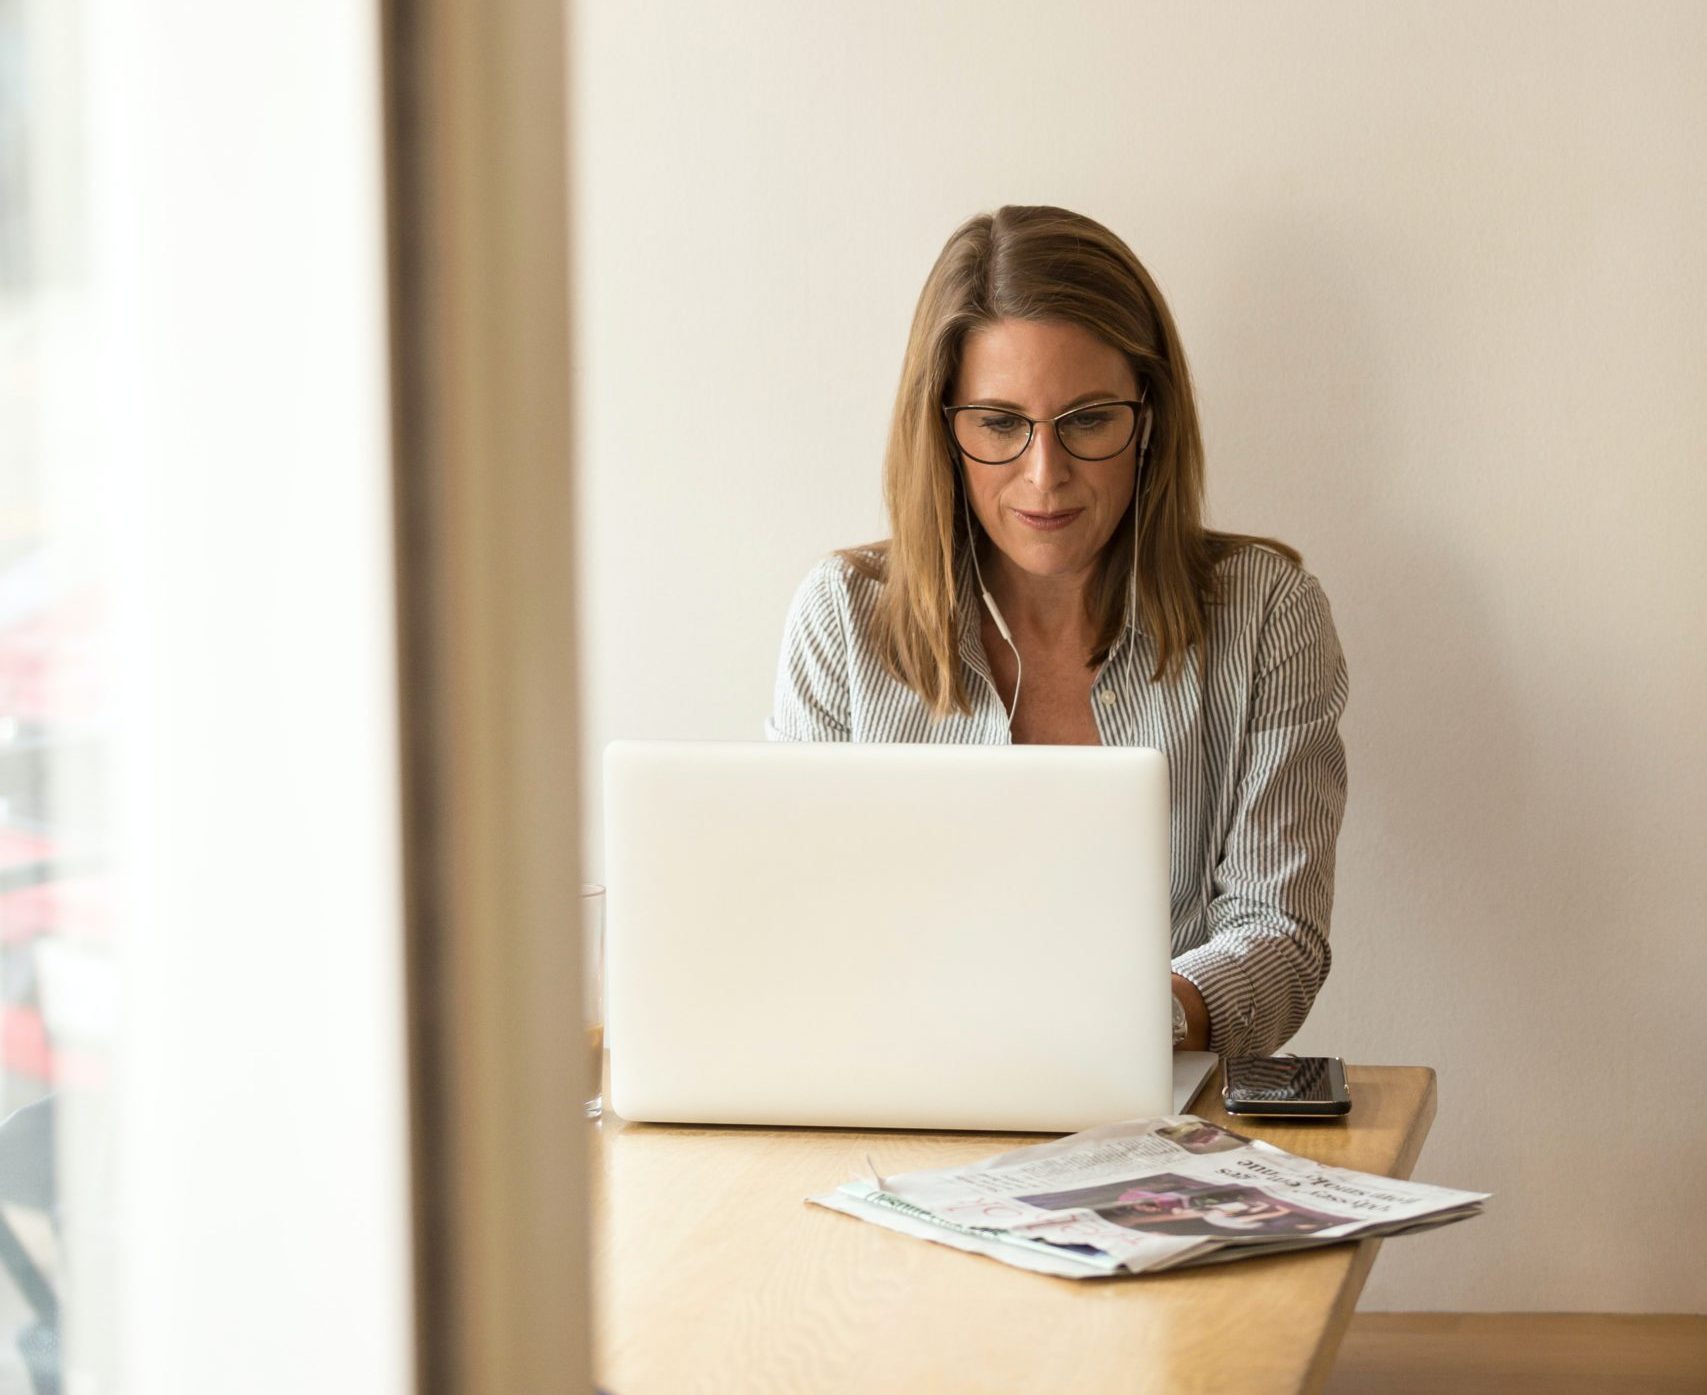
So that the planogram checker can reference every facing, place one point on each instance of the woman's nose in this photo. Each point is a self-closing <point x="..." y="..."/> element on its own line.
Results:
<point x="1047" y="463"/>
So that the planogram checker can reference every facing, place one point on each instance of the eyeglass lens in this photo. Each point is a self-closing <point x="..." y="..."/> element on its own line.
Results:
<point x="994" y="437"/>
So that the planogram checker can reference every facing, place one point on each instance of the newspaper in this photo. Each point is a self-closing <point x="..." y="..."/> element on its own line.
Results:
<point x="1146" y="1196"/>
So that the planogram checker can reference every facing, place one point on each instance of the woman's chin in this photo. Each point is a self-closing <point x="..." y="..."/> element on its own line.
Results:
<point x="1046" y="557"/>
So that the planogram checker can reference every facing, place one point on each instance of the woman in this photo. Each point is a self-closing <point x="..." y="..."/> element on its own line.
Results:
<point x="1049" y="579"/>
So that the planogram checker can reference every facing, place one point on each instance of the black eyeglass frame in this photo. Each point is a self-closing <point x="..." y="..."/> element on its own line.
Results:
<point x="1032" y="423"/>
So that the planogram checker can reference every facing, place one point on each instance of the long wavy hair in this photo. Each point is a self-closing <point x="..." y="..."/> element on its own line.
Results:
<point x="1041" y="263"/>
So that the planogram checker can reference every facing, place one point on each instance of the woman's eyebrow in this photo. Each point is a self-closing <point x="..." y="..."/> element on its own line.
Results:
<point x="1078" y="401"/>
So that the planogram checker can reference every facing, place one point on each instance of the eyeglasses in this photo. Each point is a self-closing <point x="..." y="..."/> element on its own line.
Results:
<point x="996" y="436"/>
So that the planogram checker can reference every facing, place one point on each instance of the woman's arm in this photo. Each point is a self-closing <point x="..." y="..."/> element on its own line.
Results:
<point x="811" y="700"/>
<point x="1267" y="954"/>
<point x="1196" y="1015"/>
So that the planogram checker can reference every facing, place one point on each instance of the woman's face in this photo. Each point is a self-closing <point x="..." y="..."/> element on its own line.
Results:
<point x="1048" y="512"/>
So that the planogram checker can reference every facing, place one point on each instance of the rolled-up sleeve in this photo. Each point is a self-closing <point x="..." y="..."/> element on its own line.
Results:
<point x="1267" y="954"/>
<point x="811" y="701"/>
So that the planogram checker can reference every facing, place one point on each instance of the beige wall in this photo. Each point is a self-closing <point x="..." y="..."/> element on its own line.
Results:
<point x="1439" y="271"/>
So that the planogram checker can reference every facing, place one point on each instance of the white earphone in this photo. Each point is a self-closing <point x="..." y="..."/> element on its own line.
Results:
<point x="990" y="601"/>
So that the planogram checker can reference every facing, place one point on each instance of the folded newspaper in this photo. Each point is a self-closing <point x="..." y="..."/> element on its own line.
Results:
<point x="1144" y="1196"/>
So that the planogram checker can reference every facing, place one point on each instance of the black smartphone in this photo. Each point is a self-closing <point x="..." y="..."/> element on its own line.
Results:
<point x="1308" y="1086"/>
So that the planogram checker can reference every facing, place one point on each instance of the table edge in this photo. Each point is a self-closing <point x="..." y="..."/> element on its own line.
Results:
<point x="1344" y="1305"/>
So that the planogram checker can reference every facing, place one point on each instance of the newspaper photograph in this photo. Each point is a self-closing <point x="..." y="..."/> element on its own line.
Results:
<point x="1145" y="1196"/>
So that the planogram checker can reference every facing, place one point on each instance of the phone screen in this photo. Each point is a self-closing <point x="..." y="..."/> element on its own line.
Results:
<point x="1294" y="1079"/>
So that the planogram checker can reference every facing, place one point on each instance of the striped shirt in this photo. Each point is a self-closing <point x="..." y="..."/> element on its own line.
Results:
<point x="1255" y="763"/>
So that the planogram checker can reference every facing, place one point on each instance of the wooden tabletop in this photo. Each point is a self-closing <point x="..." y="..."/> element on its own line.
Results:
<point x="712" y="1274"/>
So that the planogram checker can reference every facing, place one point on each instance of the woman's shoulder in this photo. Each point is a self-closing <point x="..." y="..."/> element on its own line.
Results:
<point x="1272" y="609"/>
<point x="866" y="563"/>
<point x="1256" y="578"/>
<point x="1267" y="599"/>
<point x="847" y="576"/>
<point x="840" y="588"/>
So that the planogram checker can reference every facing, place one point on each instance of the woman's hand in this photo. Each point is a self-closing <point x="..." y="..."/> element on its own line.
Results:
<point x="1196" y="1016"/>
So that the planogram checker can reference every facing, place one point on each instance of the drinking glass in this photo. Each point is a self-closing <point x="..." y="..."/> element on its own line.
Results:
<point x="592" y="993"/>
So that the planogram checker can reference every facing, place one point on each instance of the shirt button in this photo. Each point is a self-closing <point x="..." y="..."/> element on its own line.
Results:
<point x="1106" y="698"/>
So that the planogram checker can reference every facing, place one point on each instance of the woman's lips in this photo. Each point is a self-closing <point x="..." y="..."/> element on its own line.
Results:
<point x="1047" y="522"/>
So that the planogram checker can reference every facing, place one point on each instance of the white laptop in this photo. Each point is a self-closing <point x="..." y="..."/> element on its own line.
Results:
<point x="889" y="936"/>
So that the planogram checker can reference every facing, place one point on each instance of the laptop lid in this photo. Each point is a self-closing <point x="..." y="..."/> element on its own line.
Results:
<point x="910" y="936"/>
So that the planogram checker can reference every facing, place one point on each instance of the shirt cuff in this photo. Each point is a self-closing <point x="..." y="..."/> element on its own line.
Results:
<point x="1227" y="994"/>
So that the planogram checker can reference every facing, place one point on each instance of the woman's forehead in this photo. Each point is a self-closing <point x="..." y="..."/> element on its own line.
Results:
<point x="1043" y="364"/>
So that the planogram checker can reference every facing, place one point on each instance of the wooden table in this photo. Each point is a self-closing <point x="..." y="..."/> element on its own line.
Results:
<point x="712" y="1274"/>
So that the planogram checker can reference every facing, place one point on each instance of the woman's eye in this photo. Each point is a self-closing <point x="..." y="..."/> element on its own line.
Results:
<point x="1089" y="421"/>
<point x="1000" y="423"/>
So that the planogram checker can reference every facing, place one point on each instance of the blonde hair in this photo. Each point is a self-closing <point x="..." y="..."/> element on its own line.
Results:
<point x="1039" y="263"/>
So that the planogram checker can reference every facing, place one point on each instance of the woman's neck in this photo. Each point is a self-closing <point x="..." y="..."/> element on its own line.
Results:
<point x="1049" y="611"/>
